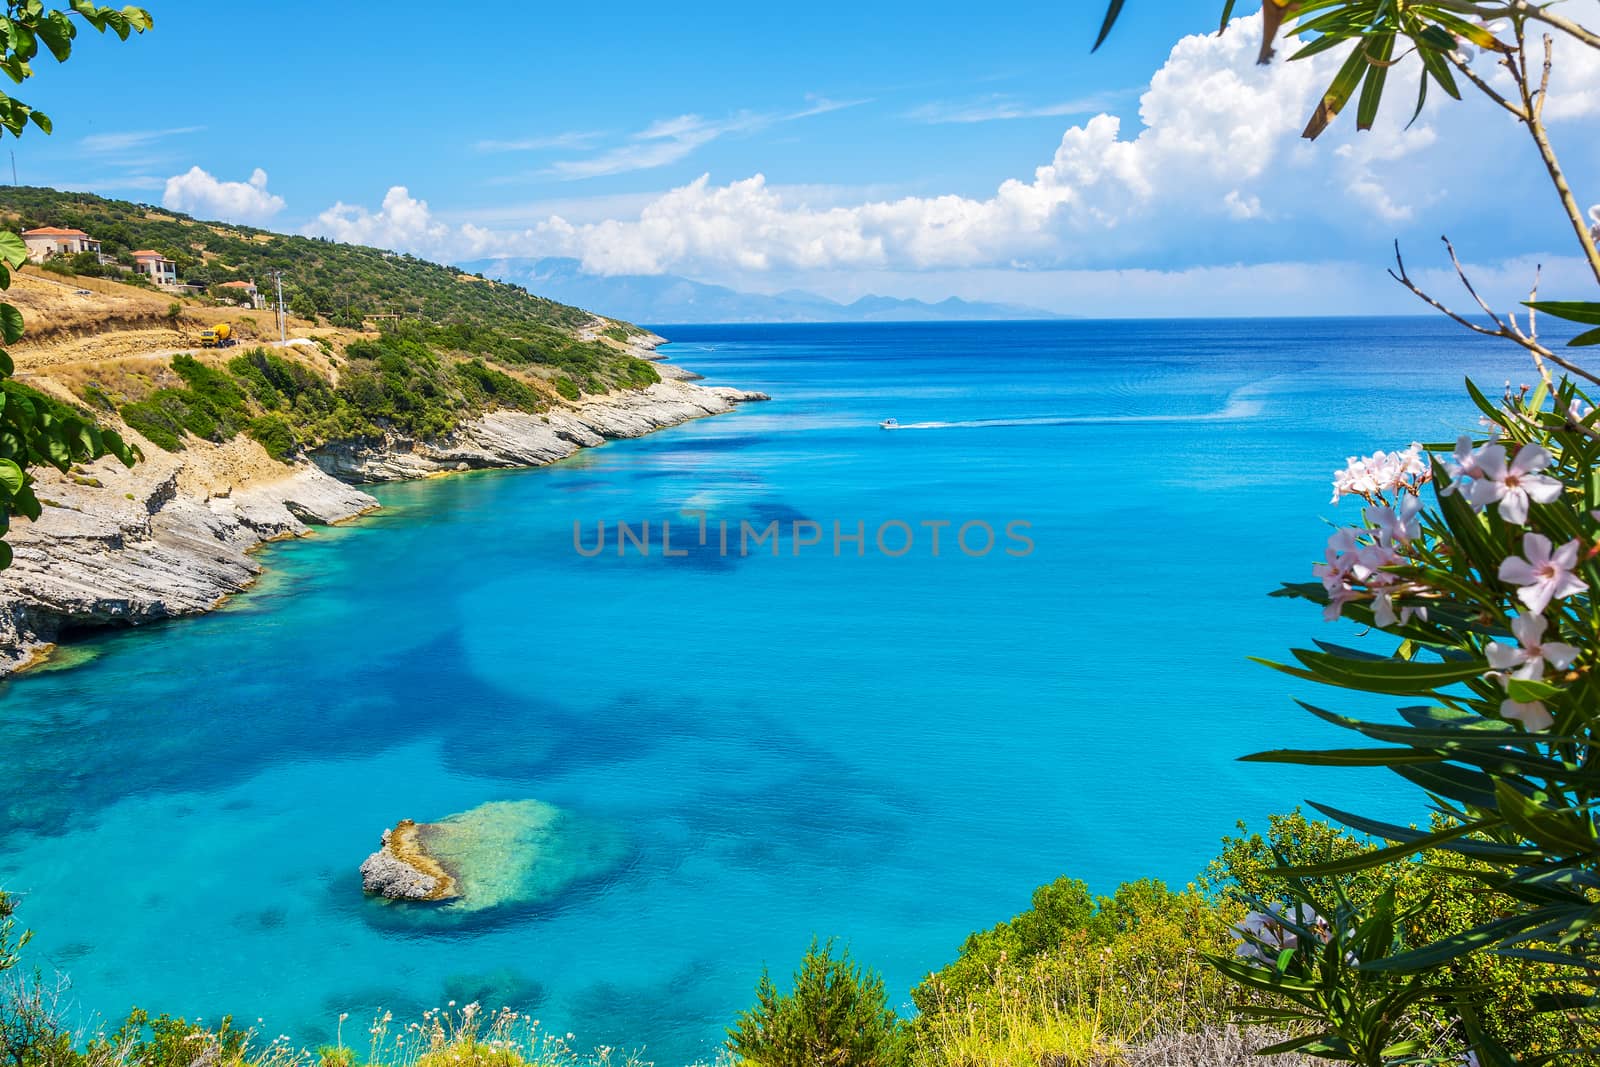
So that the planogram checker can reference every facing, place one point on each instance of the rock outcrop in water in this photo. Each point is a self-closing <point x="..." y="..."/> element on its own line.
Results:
<point x="172" y="536"/>
<point x="503" y="854"/>
<point x="402" y="870"/>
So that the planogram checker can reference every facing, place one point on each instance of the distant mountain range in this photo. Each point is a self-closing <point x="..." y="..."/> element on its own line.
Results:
<point x="656" y="298"/>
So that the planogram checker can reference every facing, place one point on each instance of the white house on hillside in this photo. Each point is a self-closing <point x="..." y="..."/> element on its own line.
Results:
<point x="49" y="241"/>
<point x="155" y="266"/>
<point x="244" y="289"/>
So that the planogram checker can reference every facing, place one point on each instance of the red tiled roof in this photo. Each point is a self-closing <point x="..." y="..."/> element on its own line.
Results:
<point x="146" y="253"/>
<point x="237" y="285"/>
<point x="53" y="231"/>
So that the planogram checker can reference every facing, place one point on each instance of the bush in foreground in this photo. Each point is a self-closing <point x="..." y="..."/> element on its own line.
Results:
<point x="836" y="1014"/>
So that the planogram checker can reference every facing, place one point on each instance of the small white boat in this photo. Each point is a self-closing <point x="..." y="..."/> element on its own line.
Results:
<point x="889" y="424"/>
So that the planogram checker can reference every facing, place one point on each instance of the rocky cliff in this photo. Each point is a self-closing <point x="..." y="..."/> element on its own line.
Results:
<point x="172" y="536"/>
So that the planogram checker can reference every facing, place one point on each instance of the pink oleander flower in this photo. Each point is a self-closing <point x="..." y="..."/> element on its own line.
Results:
<point x="1399" y="528"/>
<point x="1543" y="575"/>
<point x="1512" y="486"/>
<point x="1462" y="465"/>
<point x="1526" y="658"/>
<point x="1263" y="934"/>
<point x="1531" y="714"/>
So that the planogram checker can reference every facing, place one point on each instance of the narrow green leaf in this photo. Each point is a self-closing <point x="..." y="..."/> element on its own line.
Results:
<point x="1372" y="86"/>
<point x="1112" y="11"/>
<point x="1584" y="311"/>
<point x="1344" y="757"/>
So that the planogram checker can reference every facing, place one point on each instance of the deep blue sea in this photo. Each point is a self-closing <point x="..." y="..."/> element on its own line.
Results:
<point x="890" y="749"/>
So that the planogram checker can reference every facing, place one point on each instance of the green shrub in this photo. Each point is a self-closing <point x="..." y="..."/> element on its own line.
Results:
<point x="274" y="434"/>
<point x="96" y="396"/>
<point x="156" y="420"/>
<point x="568" y="388"/>
<point x="1121" y="960"/>
<point x="486" y="386"/>
<point x="836" y="1014"/>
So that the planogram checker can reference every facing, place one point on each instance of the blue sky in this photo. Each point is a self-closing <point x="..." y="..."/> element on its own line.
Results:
<point x="826" y="146"/>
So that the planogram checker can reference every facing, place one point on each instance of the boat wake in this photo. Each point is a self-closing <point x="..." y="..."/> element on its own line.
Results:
<point x="1239" y="407"/>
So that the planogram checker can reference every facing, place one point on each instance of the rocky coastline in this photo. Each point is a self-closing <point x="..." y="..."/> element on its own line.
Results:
<point x="173" y="535"/>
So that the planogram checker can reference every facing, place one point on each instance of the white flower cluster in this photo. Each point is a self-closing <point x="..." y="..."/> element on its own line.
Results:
<point x="1371" y="477"/>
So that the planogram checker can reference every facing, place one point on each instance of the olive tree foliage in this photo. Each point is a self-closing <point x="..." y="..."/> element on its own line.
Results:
<point x="1473" y="575"/>
<point x="34" y="430"/>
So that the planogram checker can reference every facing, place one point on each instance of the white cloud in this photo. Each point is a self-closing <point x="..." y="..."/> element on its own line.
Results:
<point x="99" y="143"/>
<point x="1216" y="153"/>
<point x="574" y="139"/>
<point x="406" y="224"/>
<point x="999" y="108"/>
<point x="669" y="140"/>
<point x="197" y="192"/>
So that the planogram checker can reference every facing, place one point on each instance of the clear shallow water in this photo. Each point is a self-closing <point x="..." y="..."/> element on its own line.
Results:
<point x="891" y="750"/>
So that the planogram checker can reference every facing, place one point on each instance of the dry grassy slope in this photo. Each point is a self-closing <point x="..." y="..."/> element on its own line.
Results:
<point x="123" y="338"/>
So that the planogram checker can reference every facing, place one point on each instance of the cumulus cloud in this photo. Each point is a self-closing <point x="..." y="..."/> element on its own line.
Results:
<point x="403" y="222"/>
<point x="198" y="192"/>
<point x="1216" y="150"/>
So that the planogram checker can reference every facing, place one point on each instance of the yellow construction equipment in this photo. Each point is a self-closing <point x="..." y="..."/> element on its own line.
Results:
<point x="218" y="336"/>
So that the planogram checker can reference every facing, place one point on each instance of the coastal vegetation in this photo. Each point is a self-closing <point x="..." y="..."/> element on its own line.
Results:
<point x="1132" y="978"/>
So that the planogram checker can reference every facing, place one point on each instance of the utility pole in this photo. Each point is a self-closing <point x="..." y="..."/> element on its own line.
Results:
<point x="283" y="319"/>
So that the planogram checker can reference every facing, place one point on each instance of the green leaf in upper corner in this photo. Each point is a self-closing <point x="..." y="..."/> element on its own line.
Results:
<point x="5" y="555"/>
<point x="1583" y="340"/>
<point x="1112" y="11"/>
<point x="57" y="31"/>
<point x="12" y="249"/>
<point x="11" y="477"/>
<point x="11" y="326"/>
<point x="1584" y="311"/>
<point x="41" y="120"/>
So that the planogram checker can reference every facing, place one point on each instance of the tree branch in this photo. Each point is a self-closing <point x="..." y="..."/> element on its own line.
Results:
<point x="1541" y="140"/>
<point x="1509" y="333"/>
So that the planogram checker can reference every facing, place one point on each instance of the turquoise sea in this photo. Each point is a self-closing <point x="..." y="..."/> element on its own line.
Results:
<point x="893" y="750"/>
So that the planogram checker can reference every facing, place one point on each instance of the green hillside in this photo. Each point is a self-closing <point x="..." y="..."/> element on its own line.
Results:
<point x="419" y="347"/>
<point x="342" y="284"/>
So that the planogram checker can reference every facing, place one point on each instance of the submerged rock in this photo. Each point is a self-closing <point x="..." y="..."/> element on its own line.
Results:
<point x="506" y="853"/>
